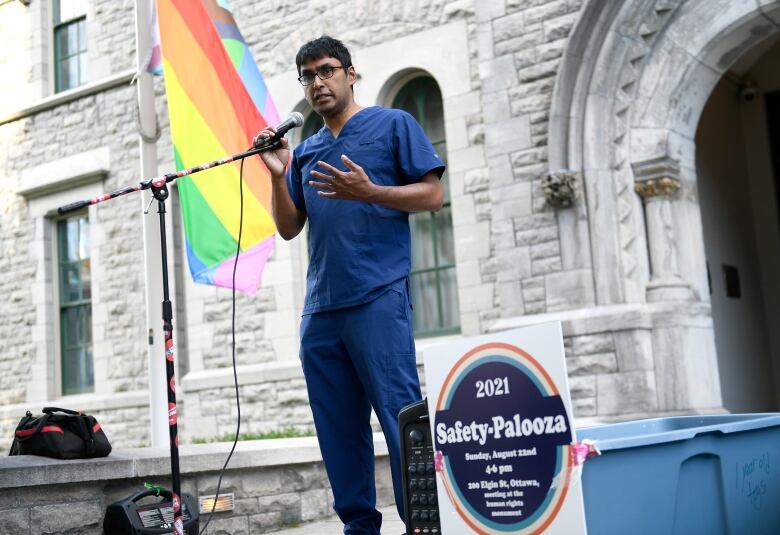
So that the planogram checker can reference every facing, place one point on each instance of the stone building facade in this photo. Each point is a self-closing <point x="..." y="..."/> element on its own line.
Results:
<point x="587" y="147"/>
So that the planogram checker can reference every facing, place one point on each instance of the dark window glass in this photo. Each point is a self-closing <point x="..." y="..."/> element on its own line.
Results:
<point x="75" y="305"/>
<point x="311" y="125"/>
<point x="773" y="119"/>
<point x="70" y="43"/>
<point x="433" y="279"/>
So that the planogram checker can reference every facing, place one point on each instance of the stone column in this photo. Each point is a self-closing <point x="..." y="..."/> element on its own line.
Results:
<point x="657" y="182"/>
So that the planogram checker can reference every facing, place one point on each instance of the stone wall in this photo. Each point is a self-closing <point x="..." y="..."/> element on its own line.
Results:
<point x="90" y="122"/>
<point x="518" y="259"/>
<point x="520" y="48"/>
<point x="359" y="23"/>
<point x="593" y="363"/>
<point x="15" y="67"/>
<point x="267" y="322"/>
<point x="18" y="314"/>
<point x="622" y="360"/>
<point x="111" y="37"/>
<point x="276" y="484"/>
<point x="273" y="397"/>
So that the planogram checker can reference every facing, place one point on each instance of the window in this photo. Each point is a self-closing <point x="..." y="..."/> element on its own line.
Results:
<point x="433" y="279"/>
<point x="75" y="305"/>
<point x="70" y="44"/>
<point x="311" y="125"/>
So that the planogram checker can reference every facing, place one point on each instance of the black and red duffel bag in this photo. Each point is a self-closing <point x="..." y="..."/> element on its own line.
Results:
<point x="60" y="433"/>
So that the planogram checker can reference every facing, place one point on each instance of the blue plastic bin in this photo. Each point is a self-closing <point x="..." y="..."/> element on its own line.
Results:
<point x="685" y="475"/>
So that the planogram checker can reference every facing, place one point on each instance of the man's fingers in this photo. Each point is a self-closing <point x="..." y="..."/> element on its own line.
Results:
<point x="323" y="176"/>
<point x="324" y="190"/>
<point x="349" y="163"/>
<point x="331" y="169"/>
<point x="263" y="134"/>
<point x="320" y="185"/>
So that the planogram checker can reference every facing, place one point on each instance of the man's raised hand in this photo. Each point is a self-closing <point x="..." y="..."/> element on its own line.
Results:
<point x="353" y="184"/>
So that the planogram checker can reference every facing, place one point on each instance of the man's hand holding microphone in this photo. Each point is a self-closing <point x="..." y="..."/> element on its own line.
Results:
<point x="276" y="158"/>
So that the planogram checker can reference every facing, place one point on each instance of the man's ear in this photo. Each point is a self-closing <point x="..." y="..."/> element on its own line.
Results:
<point x="352" y="74"/>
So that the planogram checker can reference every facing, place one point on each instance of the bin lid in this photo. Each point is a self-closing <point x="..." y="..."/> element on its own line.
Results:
<point x="674" y="428"/>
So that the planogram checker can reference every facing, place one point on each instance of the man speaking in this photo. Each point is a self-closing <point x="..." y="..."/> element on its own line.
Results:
<point x="356" y="180"/>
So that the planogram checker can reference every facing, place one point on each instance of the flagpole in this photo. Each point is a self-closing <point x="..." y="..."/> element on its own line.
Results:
<point x="147" y="121"/>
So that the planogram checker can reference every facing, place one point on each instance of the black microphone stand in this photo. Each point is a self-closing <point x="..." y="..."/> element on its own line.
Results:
<point x="159" y="187"/>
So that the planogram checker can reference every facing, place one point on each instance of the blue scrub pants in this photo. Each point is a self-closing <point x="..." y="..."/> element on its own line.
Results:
<point x="354" y="359"/>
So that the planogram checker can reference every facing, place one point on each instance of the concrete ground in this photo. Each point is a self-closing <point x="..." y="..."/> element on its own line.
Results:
<point x="391" y="525"/>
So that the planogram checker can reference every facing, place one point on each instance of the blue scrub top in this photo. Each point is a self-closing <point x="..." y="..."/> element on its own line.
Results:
<point x="358" y="249"/>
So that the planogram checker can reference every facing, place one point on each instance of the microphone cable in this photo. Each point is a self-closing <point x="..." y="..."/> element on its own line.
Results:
<point x="232" y="343"/>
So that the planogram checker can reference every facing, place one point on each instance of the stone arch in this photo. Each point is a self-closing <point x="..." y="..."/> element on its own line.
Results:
<point x="627" y="99"/>
<point x="398" y="80"/>
<point x="380" y="67"/>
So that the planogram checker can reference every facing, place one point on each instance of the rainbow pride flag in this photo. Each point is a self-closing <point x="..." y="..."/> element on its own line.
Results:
<point x="217" y="102"/>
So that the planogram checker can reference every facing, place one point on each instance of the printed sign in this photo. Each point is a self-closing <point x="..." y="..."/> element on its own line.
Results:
<point x="502" y="431"/>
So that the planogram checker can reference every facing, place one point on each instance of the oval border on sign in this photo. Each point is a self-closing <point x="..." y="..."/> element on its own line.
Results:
<point x="511" y="354"/>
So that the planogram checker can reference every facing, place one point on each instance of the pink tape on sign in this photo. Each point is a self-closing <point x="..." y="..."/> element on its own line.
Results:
<point x="580" y="451"/>
<point x="438" y="461"/>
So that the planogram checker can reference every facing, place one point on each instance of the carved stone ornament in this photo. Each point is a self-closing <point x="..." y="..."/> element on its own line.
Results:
<point x="560" y="188"/>
<point x="657" y="187"/>
<point x="656" y="178"/>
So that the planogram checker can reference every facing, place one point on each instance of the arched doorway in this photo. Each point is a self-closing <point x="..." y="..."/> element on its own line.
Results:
<point x="628" y="100"/>
<point x="738" y="189"/>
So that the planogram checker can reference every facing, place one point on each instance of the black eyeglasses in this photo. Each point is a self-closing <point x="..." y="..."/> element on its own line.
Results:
<point x="323" y="73"/>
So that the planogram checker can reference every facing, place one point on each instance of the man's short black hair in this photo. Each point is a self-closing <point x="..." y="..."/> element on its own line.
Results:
<point x="322" y="47"/>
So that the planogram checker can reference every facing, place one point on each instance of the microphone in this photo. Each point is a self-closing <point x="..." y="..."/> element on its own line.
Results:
<point x="294" y="120"/>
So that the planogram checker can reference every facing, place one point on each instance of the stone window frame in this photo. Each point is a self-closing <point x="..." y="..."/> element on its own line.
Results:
<point x="38" y="92"/>
<point x="45" y="188"/>
<point x="401" y="82"/>
<point x="384" y="71"/>
<point x="57" y="296"/>
<point x="61" y="25"/>
<point x="42" y="87"/>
